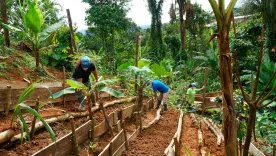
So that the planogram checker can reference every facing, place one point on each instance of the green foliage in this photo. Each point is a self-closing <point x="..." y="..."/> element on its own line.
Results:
<point x="33" y="18"/>
<point x="18" y="112"/>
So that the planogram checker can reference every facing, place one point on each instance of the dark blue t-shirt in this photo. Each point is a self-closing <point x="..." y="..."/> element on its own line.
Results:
<point x="159" y="86"/>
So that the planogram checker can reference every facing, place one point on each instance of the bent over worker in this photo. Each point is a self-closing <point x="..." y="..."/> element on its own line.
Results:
<point x="82" y="72"/>
<point x="164" y="92"/>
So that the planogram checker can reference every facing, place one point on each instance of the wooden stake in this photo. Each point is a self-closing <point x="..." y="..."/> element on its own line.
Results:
<point x="204" y="91"/>
<point x="72" y="36"/>
<point x="177" y="146"/>
<point x="34" y="119"/>
<point x="274" y="150"/>
<point x="140" y="121"/>
<point x="8" y="100"/>
<point x="137" y="119"/>
<point x="89" y="108"/>
<point x="74" y="140"/>
<point x="63" y="85"/>
<point x="125" y="134"/>
<point x="106" y="118"/>
<point x="93" y="130"/>
<point x="110" y="148"/>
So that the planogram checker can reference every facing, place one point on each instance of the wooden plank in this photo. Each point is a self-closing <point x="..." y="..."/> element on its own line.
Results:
<point x="117" y="141"/>
<point x="134" y="134"/>
<point x="120" y="150"/>
<point x="115" y="117"/>
<point x="105" y="151"/>
<point x="103" y="127"/>
<point x="62" y="147"/>
<point x="128" y="111"/>
<point x="65" y="143"/>
<point x="255" y="151"/>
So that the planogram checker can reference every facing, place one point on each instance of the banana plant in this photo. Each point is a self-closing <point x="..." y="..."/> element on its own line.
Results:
<point x="224" y="17"/>
<point x="33" y="22"/>
<point x="89" y="93"/>
<point x="18" y="112"/>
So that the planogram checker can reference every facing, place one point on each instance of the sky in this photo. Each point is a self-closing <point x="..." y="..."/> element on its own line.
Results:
<point x="138" y="11"/>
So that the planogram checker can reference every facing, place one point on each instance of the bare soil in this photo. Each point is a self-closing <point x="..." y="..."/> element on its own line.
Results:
<point x="154" y="140"/>
<point x="42" y="138"/>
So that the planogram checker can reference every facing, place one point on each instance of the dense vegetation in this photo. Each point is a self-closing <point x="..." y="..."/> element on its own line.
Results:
<point x="177" y="52"/>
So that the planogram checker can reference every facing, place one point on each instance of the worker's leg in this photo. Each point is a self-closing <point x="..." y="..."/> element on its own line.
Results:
<point x="159" y="100"/>
<point x="81" y="97"/>
<point x="164" y="100"/>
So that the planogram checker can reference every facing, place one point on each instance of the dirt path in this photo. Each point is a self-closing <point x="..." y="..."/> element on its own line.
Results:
<point x="190" y="138"/>
<point x="154" y="140"/>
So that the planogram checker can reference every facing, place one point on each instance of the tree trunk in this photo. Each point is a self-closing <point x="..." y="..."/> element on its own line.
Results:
<point x="181" y="4"/>
<point x="229" y="119"/>
<point x="72" y="36"/>
<point x="136" y="60"/>
<point x="3" y="8"/>
<point x="36" y="51"/>
<point x="140" y="99"/>
<point x="250" y="127"/>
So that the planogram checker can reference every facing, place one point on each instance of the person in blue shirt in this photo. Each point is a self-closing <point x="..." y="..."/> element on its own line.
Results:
<point x="164" y="92"/>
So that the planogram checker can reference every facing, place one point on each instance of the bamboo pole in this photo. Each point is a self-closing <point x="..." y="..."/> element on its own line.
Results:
<point x="63" y="85"/>
<point x="74" y="140"/>
<point x="8" y="100"/>
<point x="34" y="119"/>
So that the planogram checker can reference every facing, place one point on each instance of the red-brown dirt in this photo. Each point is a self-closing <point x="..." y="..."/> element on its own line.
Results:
<point x="42" y="138"/>
<point x="154" y="140"/>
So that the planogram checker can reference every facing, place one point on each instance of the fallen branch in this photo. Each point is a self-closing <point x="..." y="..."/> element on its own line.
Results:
<point x="39" y="125"/>
<point x="156" y="119"/>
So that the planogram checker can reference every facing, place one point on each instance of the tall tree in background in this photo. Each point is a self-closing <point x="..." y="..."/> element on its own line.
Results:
<point x="155" y="42"/>
<point x="267" y="8"/>
<point x="3" y="7"/>
<point x="224" y="17"/>
<point x="106" y="18"/>
<point x="181" y="6"/>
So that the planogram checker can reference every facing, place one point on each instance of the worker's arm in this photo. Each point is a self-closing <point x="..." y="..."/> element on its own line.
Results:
<point x="79" y="80"/>
<point x="200" y="89"/>
<point x="95" y="73"/>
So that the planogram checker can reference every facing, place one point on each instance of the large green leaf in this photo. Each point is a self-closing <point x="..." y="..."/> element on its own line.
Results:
<point x="273" y="104"/>
<point x="143" y="63"/>
<point x="58" y="94"/>
<point x="125" y="65"/>
<point x="76" y="85"/>
<point x="47" y="34"/>
<point x="33" y="18"/>
<point x="158" y="70"/>
<point x="139" y="71"/>
<point x="105" y="82"/>
<point x="34" y="112"/>
<point x="110" y="91"/>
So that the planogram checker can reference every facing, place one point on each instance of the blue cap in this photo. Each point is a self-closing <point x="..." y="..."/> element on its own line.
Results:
<point x="193" y="84"/>
<point x="85" y="62"/>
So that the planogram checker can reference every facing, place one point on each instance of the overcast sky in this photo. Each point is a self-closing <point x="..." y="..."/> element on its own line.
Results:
<point x="138" y="11"/>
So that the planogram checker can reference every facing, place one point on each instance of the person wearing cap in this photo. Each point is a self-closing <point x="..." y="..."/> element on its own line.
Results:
<point x="191" y="94"/>
<point x="164" y="92"/>
<point x="82" y="72"/>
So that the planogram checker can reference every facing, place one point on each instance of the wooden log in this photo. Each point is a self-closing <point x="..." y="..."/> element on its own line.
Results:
<point x="34" y="119"/>
<point x="74" y="139"/>
<point x="155" y="120"/>
<point x="9" y="103"/>
<point x="218" y="134"/>
<point x="255" y="151"/>
<point x="39" y="125"/>
<point x="203" y="152"/>
<point x="176" y="146"/>
<point x="200" y="138"/>
<point x="6" y="135"/>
